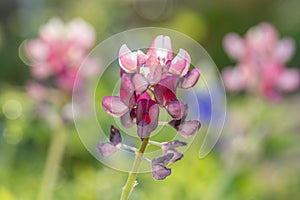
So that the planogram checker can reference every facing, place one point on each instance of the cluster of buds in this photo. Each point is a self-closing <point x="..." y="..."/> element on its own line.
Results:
<point x="148" y="83"/>
<point x="55" y="57"/>
<point x="261" y="56"/>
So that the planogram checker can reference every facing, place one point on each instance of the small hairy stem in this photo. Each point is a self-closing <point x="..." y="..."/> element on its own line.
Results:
<point x="131" y="181"/>
<point x="124" y="146"/>
<point x="159" y="144"/>
<point x="163" y="123"/>
<point x="55" y="155"/>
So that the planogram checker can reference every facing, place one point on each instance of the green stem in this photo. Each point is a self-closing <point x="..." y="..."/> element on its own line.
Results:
<point x="55" y="155"/>
<point x="131" y="181"/>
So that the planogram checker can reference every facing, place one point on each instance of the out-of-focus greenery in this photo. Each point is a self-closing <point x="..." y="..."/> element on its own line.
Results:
<point x="257" y="156"/>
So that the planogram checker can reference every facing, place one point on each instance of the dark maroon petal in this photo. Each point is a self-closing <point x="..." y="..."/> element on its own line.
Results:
<point x="140" y="83"/>
<point x="177" y="109"/>
<point x="147" y="117"/>
<point x="173" y="144"/>
<point x="160" y="172"/>
<point x="114" y="106"/>
<point x="115" y="136"/>
<point x="189" y="128"/>
<point x="163" y="160"/>
<point x="165" y="90"/>
<point x="144" y="95"/>
<point x="127" y="91"/>
<point x="106" y="149"/>
<point x="127" y="120"/>
<point x="190" y="79"/>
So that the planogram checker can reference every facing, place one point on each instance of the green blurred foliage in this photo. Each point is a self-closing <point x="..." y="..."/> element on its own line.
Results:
<point x="257" y="156"/>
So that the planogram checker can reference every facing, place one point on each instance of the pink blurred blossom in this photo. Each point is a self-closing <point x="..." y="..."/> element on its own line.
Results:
<point x="261" y="58"/>
<point x="59" y="51"/>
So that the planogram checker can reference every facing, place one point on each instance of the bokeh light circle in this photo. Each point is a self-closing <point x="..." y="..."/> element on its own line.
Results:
<point x="93" y="123"/>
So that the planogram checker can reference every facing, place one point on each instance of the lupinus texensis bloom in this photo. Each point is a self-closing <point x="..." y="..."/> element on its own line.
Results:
<point x="55" y="57"/>
<point x="59" y="51"/>
<point x="261" y="57"/>
<point x="148" y="83"/>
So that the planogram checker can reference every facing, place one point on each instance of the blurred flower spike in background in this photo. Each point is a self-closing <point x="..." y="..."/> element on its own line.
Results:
<point x="148" y="83"/>
<point x="261" y="58"/>
<point x="59" y="51"/>
<point x="55" y="58"/>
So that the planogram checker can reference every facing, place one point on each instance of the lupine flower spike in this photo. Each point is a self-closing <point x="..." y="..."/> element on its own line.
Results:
<point x="148" y="83"/>
<point x="55" y="57"/>
<point x="261" y="58"/>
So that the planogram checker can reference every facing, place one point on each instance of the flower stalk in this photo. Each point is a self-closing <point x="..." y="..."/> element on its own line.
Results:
<point x="131" y="180"/>
<point x="54" y="158"/>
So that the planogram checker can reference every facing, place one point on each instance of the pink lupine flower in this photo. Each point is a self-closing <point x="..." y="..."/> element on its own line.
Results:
<point x="149" y="82"/>
<point x="261" y="58"/>
<point x="59" y="51"/>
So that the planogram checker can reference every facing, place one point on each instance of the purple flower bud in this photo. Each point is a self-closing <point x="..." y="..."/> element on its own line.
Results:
<point x="176" y="155"/>
<point x="160" y="172"/>
<point x="177" y="109"/>
<point x="189" y="128"/>
<point x="115" y="136"/>
<point x="163" y="160"/>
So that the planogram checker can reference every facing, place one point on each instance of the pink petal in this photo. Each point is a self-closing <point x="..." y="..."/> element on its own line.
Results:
<point x="141" y="57"/>
<point x="284" y="50"/>
<point x="52" y="31"/>
<point x="126" y="120"/>
<point x="234" y="46"/>
<point x="144" y="95"/>
<point x="234" y="79"/>
<point x="37" y="50"/>
<point x="190" y="79"/>
<point x="127" y="91"/>
<point x="262" y="38"/>
<point x="106" y="149"/>
<point x="127" y="59"/>
<point x="155" y="74"/>
<point x="140" y="83"/>
<point x="81" y="33"/>
<point x="177" y="109"/>
<point x="114" y="106"/>
<point x="41" y="71"/>
<point x="161" y="49"/>
<point x="181" y="63"/>
<point x="289" y="80"/>
<point x="189" y="128"/>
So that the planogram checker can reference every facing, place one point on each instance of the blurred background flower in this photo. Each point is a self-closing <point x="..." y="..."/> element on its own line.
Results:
<point x="256" y="157"/>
